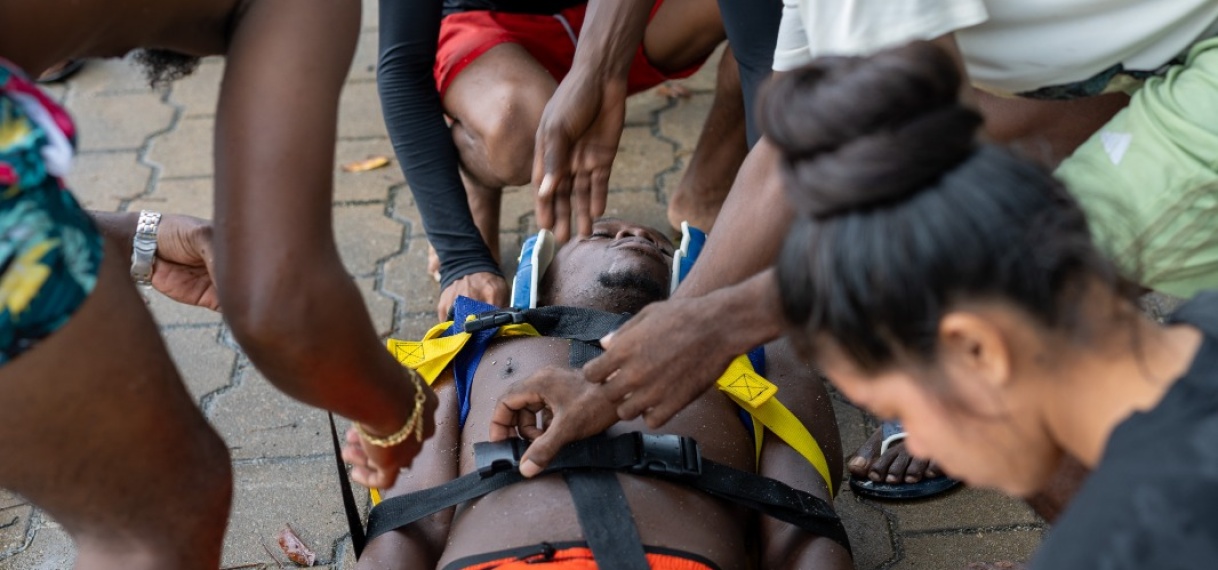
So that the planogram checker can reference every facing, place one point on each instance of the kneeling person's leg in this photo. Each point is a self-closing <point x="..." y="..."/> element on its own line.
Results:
<point x="496" y="104"/>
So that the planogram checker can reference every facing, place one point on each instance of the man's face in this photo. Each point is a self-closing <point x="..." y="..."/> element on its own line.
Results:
<point x="619" y="258"/>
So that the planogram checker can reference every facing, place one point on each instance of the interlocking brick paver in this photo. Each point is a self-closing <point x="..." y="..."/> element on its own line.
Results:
<point x="108" y="76"/>
<point x="966" y="508"/>
<point x="190" y="196"/>
<point x="260" y="422"/>
<point x="956" y="550"/>
<point x="202" y="352"/>
<point x="107" y="121"/>
<point x="50" y="549"/>
<point x="364" y="236"/>
<point x="640" y="157"/>
<point x="868" y="529"/>
<point x="102" y="181"/>
<point x="370" y="185"/>
<point x="169" y="312"/>
<point x="198" y="93"/>
<point x="364" y="64"/>
<point x="186" y="151"/>
<point x="682" y="123"/>
<point x="641" y="108"/>
<point x="380" y="307"/>
<point x="270" y="496"/>
<point x="360" y="114"/>
<point x="15" y="515"/>
<point x="405" y="210"/>
<point x="406" y="278"/>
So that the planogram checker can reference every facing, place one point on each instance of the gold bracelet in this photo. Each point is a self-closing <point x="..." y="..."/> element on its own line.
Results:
<point x="414" y="424"/>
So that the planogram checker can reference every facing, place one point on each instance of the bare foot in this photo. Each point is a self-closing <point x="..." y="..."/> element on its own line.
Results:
<point x="894" y="466"/>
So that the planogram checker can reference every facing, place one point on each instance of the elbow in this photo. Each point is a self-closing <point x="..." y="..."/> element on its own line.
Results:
<point x="260" y="318"/>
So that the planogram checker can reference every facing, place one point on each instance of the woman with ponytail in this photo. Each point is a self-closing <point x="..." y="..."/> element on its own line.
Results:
<point x="948" y="284"/>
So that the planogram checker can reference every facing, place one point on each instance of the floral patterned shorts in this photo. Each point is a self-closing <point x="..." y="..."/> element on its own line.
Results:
<point x="50" y="251"/>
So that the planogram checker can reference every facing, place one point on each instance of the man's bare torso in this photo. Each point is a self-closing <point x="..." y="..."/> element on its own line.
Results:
<point x="541" y="510"/>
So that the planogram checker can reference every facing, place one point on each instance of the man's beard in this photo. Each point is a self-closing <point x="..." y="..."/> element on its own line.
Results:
<point x="163" y="67"/>
<point x="632" y="291"/>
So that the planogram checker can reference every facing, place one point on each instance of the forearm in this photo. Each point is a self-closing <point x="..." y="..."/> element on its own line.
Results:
<point x="313" y="339"/>
<point x="750" y="229"/>
<point x="118" y="227"/>
<point x="286" y="295"/>
<point x="750" y="310"/>
<point x="421" y="139"/>
<point x="611" y="34"/>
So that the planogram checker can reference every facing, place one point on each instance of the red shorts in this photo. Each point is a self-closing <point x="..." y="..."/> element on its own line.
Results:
<point x="573" y="558"/>
<point x="549" y="39"/>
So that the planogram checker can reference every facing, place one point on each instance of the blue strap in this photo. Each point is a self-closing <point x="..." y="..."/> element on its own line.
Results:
<point x="466" y="362"/>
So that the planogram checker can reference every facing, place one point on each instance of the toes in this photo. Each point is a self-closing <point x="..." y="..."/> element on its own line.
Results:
<point x="917" y="470"/>
<point x="882" y="466"/>
<point x="899" y="468"/>
<point x="860" y="463"/>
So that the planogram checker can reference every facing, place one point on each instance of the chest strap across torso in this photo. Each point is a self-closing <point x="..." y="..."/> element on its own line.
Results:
<point x="463" y="346"/>
<point x="669" y="457"/>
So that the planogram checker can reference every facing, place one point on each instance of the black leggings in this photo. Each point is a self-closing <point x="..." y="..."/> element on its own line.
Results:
<point x="752" y="31"/>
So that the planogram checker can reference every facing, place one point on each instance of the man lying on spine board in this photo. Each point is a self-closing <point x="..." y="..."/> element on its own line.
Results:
<point x="667" y="503"/>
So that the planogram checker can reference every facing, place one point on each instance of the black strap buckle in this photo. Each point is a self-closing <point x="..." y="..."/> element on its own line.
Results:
<point x="667" y="454"/>
<point x="494" y="319"/>
<point x="494" y="457"/>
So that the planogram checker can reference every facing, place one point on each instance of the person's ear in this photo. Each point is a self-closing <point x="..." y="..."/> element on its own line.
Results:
<point x="973" y="347"/>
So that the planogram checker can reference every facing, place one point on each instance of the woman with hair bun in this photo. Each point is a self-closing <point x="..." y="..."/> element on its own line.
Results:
<point x="953" y="286"/>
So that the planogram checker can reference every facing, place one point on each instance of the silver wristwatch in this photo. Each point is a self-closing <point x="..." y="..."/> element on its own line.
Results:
<point x="143" y="251"/>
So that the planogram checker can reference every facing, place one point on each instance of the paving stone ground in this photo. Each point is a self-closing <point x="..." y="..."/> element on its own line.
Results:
<point x="143" y="148"/>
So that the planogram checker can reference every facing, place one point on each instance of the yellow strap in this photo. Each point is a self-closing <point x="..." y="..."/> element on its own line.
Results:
<point x="748" y="389"/>
<point x="430" y="356"/>
<point x="756" y="395"/>
<point x="433" y="354"/>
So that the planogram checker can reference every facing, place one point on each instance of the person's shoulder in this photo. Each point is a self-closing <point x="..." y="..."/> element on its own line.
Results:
<point x="1200" y="311"/>
<point x="1142" y="510"/>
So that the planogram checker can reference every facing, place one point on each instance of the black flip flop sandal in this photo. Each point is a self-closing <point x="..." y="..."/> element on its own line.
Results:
<point x="893" y="432"/>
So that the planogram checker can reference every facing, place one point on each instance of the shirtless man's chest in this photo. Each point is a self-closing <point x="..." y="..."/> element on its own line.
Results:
<point x="667" y="515"/>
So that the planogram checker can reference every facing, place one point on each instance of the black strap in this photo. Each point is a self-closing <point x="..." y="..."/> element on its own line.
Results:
<point x="581" y="352"/>
<point x="604" y="516"/>
<point x="353" y="519"/>
<point x="668" y="457"/>
<point x="575" y="323"/>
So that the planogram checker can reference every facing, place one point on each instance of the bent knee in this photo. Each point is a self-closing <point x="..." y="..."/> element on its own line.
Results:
<point x="497" y="128"/>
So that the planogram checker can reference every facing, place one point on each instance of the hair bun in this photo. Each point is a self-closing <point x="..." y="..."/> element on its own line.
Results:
<point x="855" y="132"/>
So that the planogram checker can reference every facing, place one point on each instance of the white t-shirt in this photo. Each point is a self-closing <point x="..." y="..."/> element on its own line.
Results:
<point x="1009" y="46"/>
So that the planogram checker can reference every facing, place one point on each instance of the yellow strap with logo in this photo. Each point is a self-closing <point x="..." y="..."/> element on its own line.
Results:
<point x="756" y="395"/>
<point x="430" y="356"/>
